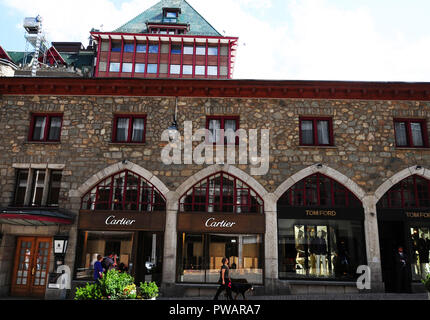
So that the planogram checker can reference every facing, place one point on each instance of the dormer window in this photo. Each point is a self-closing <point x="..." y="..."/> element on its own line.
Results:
<point x="170" y="15"/>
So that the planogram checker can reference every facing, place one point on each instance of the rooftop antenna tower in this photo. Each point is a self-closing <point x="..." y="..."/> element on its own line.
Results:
<point x="37" y="40"/>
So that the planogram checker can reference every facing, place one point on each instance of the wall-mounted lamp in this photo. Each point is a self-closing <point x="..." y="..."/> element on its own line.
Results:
<point x="418" y="168"/>
<point x="319" y="165"/>
<point x="60" y="244"/>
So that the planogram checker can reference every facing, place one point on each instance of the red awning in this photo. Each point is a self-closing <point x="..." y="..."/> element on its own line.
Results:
<point x="34" y="217"/>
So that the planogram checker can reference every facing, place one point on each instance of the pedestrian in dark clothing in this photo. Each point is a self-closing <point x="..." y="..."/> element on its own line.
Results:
<point x="224" y="279"/>
<point x="401" y="264"/>
<point x="109" y="262"/>
<point x="98" y="269"/>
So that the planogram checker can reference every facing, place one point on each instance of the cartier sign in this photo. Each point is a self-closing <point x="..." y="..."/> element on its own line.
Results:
<point x="119" y="221"/>
<point x="212" y="223"/>
<point x="223" y="223"/>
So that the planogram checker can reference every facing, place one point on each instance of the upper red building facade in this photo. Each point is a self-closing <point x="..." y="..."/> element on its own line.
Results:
<point x="169" y="40"/>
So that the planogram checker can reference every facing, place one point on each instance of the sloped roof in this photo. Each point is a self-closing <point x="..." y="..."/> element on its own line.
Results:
<point x="18" y="56"/>
<point x="79" y="60"/>
<point x="188" y="15"/>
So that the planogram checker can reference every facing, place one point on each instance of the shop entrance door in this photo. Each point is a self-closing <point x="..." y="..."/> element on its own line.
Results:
<point x="31" y="266"/>
<point x="391" y="236"/>
<point x="149" y="257"/>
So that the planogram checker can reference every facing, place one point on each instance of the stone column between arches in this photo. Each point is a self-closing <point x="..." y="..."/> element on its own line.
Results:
<point x="271" y="245"/>
<point x="371" y="236"/>
<point x="170" y="243"/>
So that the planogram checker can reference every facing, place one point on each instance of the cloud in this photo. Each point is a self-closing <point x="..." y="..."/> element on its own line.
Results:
<point x="72" y="21"/>
<point x="314" y="39"/>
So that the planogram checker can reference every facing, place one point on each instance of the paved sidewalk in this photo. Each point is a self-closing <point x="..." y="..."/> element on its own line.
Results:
<point x="364" y="296"/>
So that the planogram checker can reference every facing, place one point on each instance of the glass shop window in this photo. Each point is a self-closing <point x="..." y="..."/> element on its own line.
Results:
<point x="420" y="244"/>
<point x="199" y="257"/>
<point x="320" y="249"/>
<point x="94" y="243"/>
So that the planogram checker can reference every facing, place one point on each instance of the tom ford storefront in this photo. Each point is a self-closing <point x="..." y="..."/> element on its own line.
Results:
<point x="124" y="214"/>
<point x="221" y="216"/>
<point x="320" y="231"/>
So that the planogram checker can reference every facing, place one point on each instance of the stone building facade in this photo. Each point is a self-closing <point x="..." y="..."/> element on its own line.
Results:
<point x="363" y="158"/>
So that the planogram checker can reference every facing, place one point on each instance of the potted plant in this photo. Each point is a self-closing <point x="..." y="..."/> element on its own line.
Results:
<point x="426" y="282"/>
<point x="114" y="285"/>
<point x="89" y="292"/>
<point x="148" y="290"/>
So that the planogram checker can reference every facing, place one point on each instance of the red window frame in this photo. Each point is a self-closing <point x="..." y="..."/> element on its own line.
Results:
<point x="424" y="132"/>
<point x="407" y="188"/>
<point x="338" y="196"/>
<point x="130" y="117"/>
<point x="93" y="199"/>
<point x="48" y="117"/>
<point x="250" y="200"/>
<point x="222" y="126"/>
<point x="315" y="130"/>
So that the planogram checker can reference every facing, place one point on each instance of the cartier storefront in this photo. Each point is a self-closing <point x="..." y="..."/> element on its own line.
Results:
<point x="220" y="217"/>
<point x="125" y="215"/>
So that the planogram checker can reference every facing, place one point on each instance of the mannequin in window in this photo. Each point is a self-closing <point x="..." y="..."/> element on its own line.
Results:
<point x="300" y="247"/>
<point x="312" y="252"/>
<point x="320" y="251"/>
<point x="423" y="252"/>
<point x="414" y="257"/>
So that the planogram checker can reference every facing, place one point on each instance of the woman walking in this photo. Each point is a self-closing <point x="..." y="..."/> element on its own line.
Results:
<point x="224" y="279"/>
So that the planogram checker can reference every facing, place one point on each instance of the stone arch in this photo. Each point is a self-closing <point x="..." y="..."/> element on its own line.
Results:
<point x="234" y="171"/>
<point x="117" y="167"/>
<point x="332" y="173"/>
<point x="399" y="176"/>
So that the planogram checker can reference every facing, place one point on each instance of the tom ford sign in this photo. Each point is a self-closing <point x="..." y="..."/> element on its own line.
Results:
<point x="222" y="223"/>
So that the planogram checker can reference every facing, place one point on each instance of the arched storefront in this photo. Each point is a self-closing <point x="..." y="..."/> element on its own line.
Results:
<point x="404" y="220"/>
<point x="220" y="216"/>
<point x="320" y="231"/>
<point x="124" y="214"/>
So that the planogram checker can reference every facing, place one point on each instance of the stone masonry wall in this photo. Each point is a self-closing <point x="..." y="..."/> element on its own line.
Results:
<point x="364" y="137"/>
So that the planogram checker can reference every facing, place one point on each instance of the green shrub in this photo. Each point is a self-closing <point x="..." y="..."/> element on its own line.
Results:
<point x="148" y="290"/>
<point x="114" y="282"/>
<point x="89" y="292"/>
<point x="426" y="282"/>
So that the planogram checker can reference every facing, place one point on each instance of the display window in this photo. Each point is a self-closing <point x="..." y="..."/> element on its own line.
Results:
<point x="93" y="243"/>
<point x="320" y="231"/>
<point x="200" y="255"/>
<point x="320" y="248"/>
<point x="420" y="244"/>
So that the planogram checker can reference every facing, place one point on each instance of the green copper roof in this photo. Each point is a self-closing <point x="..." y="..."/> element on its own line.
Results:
<point x="18" y="57"/>
<point x="198" y="25"/>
